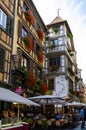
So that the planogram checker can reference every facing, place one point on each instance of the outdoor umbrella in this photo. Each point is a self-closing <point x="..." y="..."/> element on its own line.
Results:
<point x="47" y="99"/>
<point x="10" y="96"/>
<point x="74" y="103"/>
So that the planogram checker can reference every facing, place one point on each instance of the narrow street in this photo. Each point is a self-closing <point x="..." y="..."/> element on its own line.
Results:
<point x="76" y="128"/>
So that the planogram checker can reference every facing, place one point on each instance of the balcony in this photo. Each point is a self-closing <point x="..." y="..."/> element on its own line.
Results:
<point x="55" y="70"/>
<point x="61" y="49"/>
<point x="57" y="49"/>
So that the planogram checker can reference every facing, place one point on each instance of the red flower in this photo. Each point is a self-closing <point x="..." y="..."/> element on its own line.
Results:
<point x="29" y="17"/>
<point x="31" y="80"/>
<point x="28" y="42"/>
<point x="40" y="55"/>
<point x="44" y="88"/>
<point x="40" y="34"/>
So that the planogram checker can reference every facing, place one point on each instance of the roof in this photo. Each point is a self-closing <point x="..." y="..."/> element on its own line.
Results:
<point x="57" y="20"/>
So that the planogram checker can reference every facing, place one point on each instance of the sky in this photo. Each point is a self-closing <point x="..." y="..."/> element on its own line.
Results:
<point x="74" y="11"/>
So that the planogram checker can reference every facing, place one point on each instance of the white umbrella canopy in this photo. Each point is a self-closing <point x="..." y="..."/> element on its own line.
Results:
<point x="47" y="99"/>
<point x="74" y="103"/>
<point x="10" y="96"/>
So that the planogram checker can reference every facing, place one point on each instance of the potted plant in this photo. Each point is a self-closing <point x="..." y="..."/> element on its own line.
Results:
<point x="40" y="56"/>
<point x="56" y="30"/>
<point x="28" y="42"/>
<point x="31" y="83"/>
<point x="44" y="87"/>
<point x="52" y="46"/>
<point x="40" y="34"/>
<point x="25" y="39"/>
<point x="29" y="17"/>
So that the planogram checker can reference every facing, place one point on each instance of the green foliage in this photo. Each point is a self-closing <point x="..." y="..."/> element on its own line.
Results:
<point x="52" y="46"/>
<point x="25" y="39"/>
<point x="56" y="30"/>
<point x="69" y="35"/>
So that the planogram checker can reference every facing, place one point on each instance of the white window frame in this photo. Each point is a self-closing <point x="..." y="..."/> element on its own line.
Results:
<point x="3" y="22"/>
<point x="24" y="33"/>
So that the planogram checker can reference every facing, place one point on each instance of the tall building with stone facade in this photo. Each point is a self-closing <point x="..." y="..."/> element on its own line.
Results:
<point x="62" y="72"/>
<point x="22" y="37"/>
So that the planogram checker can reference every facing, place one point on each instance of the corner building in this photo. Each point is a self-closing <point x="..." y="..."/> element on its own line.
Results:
<point x="61" y="64"/>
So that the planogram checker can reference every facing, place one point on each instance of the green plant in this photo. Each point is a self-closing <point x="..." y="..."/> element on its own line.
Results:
<point x="56" y="30"/>
<point x="69" y="34"/>
<point x="44" y="123"/>
<point x="49" y="92"/>
<point x="25" y="39"/>
<point x="52" y="46"/>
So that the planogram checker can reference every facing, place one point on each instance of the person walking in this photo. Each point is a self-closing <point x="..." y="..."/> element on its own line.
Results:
<point x="85" y="115"/>
<point x="82" y="117"/>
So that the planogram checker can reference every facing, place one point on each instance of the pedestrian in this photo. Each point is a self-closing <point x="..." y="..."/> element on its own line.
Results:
<point x="84" y="114"/>
<point x="82" y="117"/>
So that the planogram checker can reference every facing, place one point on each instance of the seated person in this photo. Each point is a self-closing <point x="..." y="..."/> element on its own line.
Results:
<point x="5" y="114"/>
<point x="58" y="116"/>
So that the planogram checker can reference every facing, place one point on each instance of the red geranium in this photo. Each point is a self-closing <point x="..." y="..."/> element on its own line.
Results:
<point x="31" y="80"/>
<point x="44" y="87"/>
<point x="40" y="55"/>
<point x="40" y="34"/>
<point x="29" y="17"/>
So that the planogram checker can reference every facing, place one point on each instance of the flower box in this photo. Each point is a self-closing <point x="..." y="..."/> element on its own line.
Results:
<point x="29" y="17"/>
<point x="40" y="34"/>
<point x="28" y="41"/>
<point x="40" y="56"/>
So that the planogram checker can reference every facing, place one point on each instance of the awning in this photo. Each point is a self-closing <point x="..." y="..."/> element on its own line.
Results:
<point x="10" y="96"/>
<point x="47" y="99"/>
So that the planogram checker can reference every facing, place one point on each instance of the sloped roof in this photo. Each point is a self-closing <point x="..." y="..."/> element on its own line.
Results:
<point x="57" y="20"/>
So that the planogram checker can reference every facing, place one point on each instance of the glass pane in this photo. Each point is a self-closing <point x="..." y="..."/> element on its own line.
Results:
<point x="3" y="21"/>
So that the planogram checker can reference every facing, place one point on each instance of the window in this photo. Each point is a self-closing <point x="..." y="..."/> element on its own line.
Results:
<point x="24" y="7"/>
<point x="3" y="19"/>
<point x="2" y="57"/>
<point x="51" y="84"/>
<point x="9" y="25"/>
<point x="24" y="33"/>
<point x="54" y="42"/>
<point x="54" y="61"/>
<point x="24" y="62"/>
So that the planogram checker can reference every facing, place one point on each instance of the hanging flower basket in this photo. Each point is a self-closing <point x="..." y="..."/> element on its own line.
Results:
<point x="29" y="17"/>
<point x="28" y="42"/>
<point x="40" y="56"/>
<point x="44" y="88"/>
<point x="31" y="80"/>
<point x="40" y="34"/>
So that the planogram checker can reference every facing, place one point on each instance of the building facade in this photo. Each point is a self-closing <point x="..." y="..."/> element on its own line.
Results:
<point x="22" y="38"/>
<point x="6" y="40"/>
<point x="61" y="64"/>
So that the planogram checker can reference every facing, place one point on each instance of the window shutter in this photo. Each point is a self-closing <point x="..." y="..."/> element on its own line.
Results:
<point x="10" y="25"/>
<point x="2" y="57"/>
<point x="19" y="28"/>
